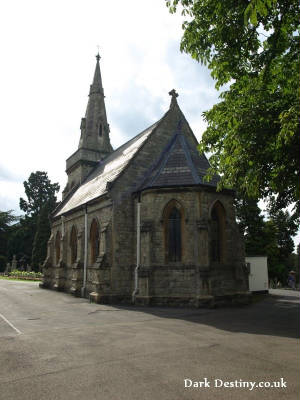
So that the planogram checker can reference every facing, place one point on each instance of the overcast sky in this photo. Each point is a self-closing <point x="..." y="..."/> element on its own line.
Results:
<point x="48" y="53"/>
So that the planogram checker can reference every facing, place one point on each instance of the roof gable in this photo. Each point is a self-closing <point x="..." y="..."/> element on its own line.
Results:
<point x="106" y="172"/>
<point x="179" y="164"/>
<point x="134" y="165"/>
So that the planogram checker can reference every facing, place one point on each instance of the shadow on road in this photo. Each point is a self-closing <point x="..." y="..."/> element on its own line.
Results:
<point x="275" y="315"/>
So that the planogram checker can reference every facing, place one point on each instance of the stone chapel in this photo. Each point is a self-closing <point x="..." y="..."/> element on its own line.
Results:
<point x="140" y="224"/>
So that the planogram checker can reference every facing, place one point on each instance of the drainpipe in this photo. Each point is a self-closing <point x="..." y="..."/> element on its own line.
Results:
<point x="138" y="249"/>
<point x="62" y="226"/>
<point x="83" y="289"/>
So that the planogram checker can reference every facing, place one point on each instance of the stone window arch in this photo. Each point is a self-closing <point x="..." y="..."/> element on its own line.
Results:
<point x="94" y="240"/>
<point x="218" y="218"/>
<point x="57" y="247"/>
<point x="173" y="231"/>
<point x="73" y="244"/>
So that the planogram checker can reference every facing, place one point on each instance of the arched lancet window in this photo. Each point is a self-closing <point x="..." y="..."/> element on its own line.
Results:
<point x="100" y="129"/>
<point x="73" y="244"/>
<point x="57" y="247"/>
<point x="174" y="235"/>
<point x="173" y="231"/>
<point x="95" y="240"/>
<point x="217" y="232"/>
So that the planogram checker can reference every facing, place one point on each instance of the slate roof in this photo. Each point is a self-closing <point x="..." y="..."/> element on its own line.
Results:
<point x="179" y="164"/>
<point x="107" y="171"/>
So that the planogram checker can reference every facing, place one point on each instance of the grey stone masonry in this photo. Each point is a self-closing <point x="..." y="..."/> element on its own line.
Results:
<point x="93" y="250"/>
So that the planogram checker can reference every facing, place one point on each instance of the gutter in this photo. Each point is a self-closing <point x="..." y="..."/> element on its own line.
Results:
<point x="138" y="249"/>
<point x="81" y="206"/>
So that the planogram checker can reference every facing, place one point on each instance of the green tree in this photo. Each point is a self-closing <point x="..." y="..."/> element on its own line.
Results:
<point x="35" y="227"/>
<point x="286" y="229"/>
<point x="6" y="220"/>
<point x="39" y="190"/>
<point x="21" y="238"/>
<point x="252" y="225"/>
<point x="281" y="227"/>
<point x="253" y="133"/>
<point x="297" y="263"/>
<point x="43" y="230"/>
<point x="276" y="269"/>
<point x="272" y="236"/>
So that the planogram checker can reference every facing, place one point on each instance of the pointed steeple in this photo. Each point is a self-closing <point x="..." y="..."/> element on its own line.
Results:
<point x="94" y="126"/>
<point x="94" y="143"/>
<point x="96" y="86"/>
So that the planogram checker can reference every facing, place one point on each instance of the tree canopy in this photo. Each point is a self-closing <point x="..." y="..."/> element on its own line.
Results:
<point x="271" y="235"/>
<point x="6" y="220"/>
<point x="39" y="190"/>
<point x="20" y="239"/>
<point x="41" y="201"/>
<point x="253" y="132"/>
<point x="252" y="225"/>
<point x="42" y="234"/>
<point x="27" y="239"/>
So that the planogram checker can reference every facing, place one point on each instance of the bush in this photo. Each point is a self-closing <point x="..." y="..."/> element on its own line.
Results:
<point x="26" y="275"/>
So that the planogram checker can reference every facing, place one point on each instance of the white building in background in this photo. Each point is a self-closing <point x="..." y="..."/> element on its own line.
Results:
<point x="258" y="273"/>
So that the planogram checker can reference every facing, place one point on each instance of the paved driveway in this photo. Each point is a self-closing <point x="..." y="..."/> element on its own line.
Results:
<point x="55" y="346"/>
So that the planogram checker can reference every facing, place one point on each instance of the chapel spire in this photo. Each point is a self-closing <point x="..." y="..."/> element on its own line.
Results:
<point x="96" y="86"/>
<point x="94" y="144"/>
<point x="94" y="126"/>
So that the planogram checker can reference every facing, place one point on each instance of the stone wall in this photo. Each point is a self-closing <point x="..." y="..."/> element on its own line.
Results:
<point x="185" y="278"/>
<point x="111" y="278"/>
<point x="76" y="175"/>
<point x="196" y="276"/>
<point x="68" y="276"/>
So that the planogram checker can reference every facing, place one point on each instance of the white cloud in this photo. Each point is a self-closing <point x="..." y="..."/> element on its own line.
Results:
<point x="47" y="65"/>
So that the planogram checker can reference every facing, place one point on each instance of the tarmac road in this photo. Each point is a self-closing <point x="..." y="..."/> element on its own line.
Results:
<point x="55" y="346"/>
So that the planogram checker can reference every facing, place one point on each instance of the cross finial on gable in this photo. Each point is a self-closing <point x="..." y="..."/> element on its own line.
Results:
<point x="173" y="95"/>
<point x="98" y="55"/>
